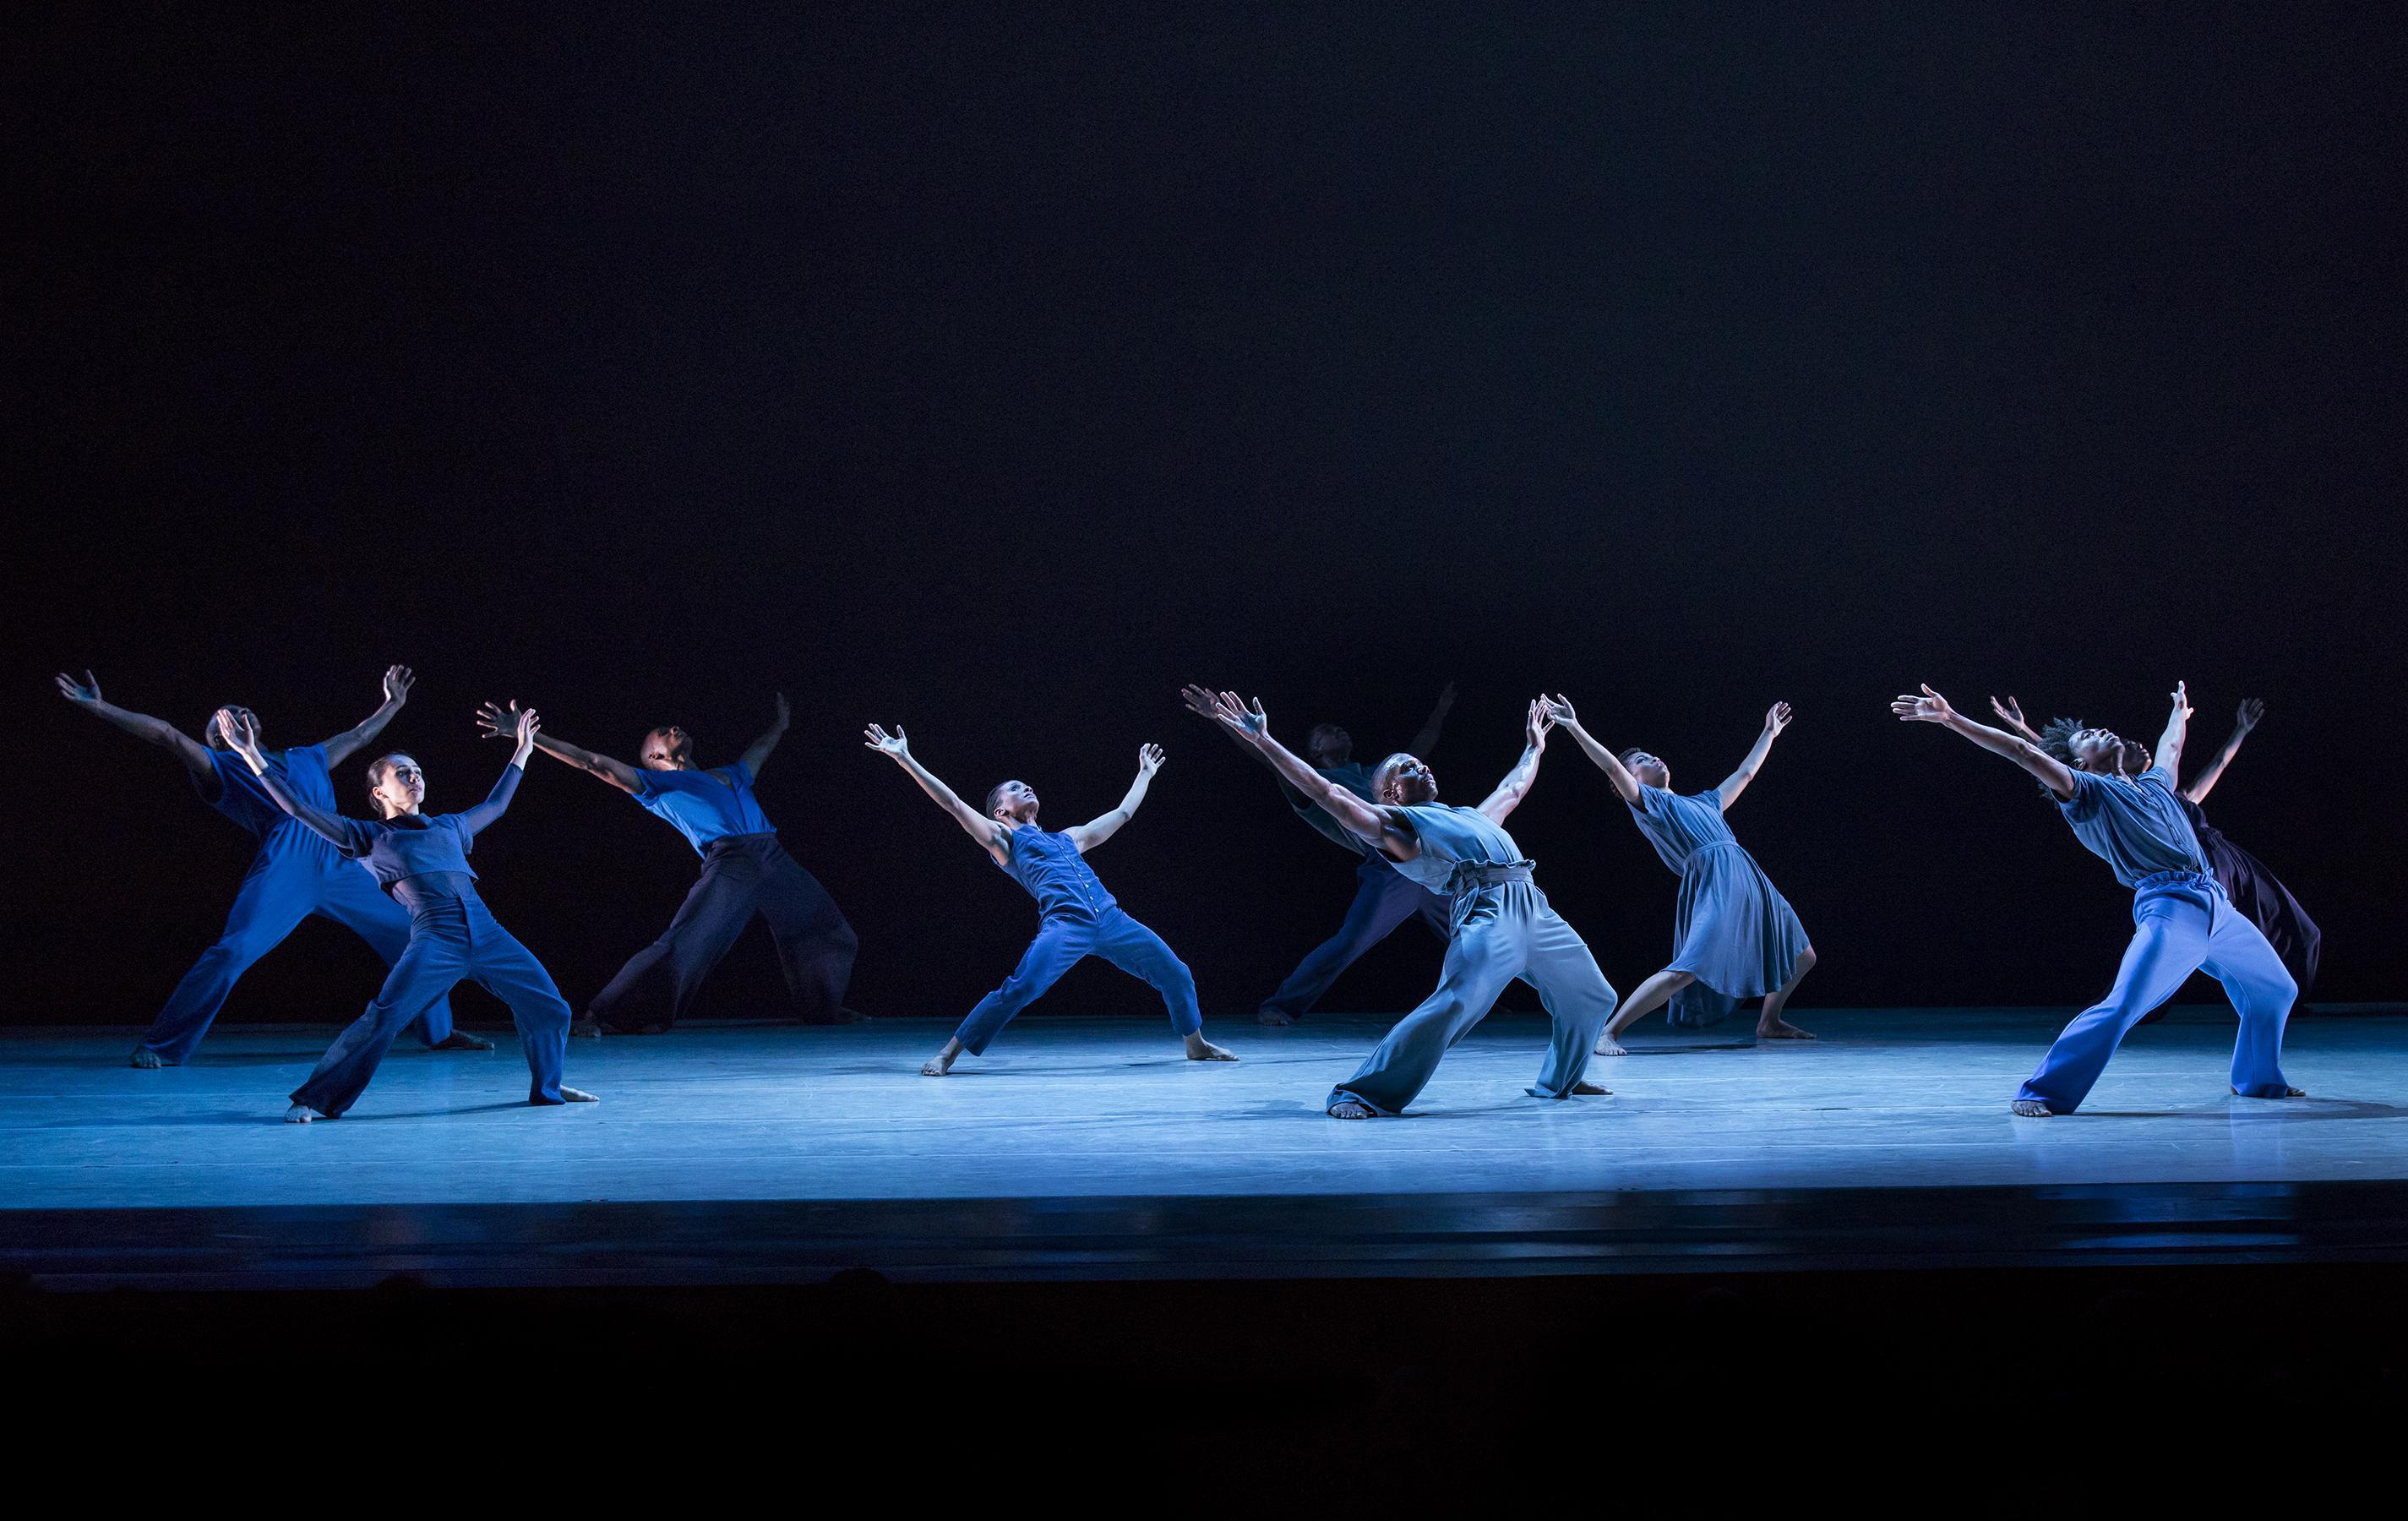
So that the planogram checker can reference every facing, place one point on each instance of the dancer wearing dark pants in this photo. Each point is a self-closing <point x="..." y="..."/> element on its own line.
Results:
<point x="2253" y="888"/>
<point x="1076" y="917"/>
<point x="421" y="860"/>
<point x="1383" y="896"/>
<point x="745" y="872"/>
<point x="1503" y="925"/>
<point x="2181" y="921"/>
<point x="294" y="875"/>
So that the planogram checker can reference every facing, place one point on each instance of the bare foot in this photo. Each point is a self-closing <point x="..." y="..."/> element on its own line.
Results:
<point x="1607" y="1046"/>
<point x="2032" y="1108"/>
<point x="144" y="1059"/>
<point x="1351" y="1109"/>
<point x="1278" y="1019"/>
<point x="1782" y="1030"/>
<point x="463" y="1040"/>
<point x="938" y="1065"/>
<point x="578" y="1096"/>
<point x="301" y="1114"/>
<point x="588" y="1028"/>
<point x="1202" y="1050"/>
<point x="1585" y="1089"/>
<point x="2286" y="1093"/>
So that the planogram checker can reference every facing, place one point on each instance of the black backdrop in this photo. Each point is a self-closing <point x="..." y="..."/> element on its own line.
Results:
<point x="997" y="374"/>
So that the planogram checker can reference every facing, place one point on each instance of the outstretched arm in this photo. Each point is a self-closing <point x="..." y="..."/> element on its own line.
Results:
<point x="1931" y="708"/>
<point x="1776" y="718"/>
<point x="2170" y="743"/>
<point x="1427" y="741"/>
<point x="475" y="820"/>
<point x="1559" y="708"/>
<point x="343" y="746"/>
<point x="503" y="724"/>
<point x="1376" y="827"/>
<point x="158" y="731"/>
<point x="2011" y="712"/>
<point x="2243" y="721"/>
<point x="349" y="835"/>
<point x="990" y="833"/>
<point x="757" y="754"/>
<point x="1199" y="702"/>
<point x="1103" y="826"/>
<point x="1525" y="774"/>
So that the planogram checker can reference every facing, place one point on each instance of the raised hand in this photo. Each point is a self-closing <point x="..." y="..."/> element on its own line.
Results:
<point x="1149" y="760"/>
<point x="786" y="714"/>
<point x="1198" y="700"/>
<point x="498" y="723"/>
<point x="242" y="733"/>
<point x="86" y="690"/>
<point x="1247" y="718"/>
<point x="1776" y="718"/>
<point x="2180" y="698"/>
<point x="1930" y="708"/>
<point x="2246" y="719"/>
<point x="895" y="745"/>
<point x="2012" y="711"/>
<point x="1559" y="708"/>
<point x="396" y="683"/>
<point x="525" y="731"/>
<point x="1535" y="725"/>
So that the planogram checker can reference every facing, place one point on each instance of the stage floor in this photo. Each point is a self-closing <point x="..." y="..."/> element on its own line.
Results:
<point x="1084" y="1147"/>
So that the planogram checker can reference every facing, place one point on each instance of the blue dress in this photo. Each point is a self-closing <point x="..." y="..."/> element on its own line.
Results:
<point x="1734" y="932"/>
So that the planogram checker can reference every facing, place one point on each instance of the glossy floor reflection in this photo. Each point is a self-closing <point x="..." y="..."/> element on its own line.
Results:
<point x="1101" y="1146"/>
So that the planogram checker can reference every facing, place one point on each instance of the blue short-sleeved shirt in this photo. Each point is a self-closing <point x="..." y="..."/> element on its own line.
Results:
<point x="241" y="798"/>
<point x="703" y="808"/>
<point x="420" y="844"/>
<point x="2134" y="825"/>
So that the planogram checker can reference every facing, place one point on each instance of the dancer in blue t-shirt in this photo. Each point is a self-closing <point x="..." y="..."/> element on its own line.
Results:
<point x="745" y="872"/>
<point x="294" y="875"/>
<point x="1077" y="917"/>
<point x="2181" y="920"/>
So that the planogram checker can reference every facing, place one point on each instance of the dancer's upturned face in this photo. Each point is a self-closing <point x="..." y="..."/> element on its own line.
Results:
<point x="669" y="749"/>
<point x="1406" y="780"/>
<point x="2097" y="750"/>
<point x="1329" y="747"/>
<point x="2136" y="757"/>
<point x="1016" y="803"/>
<point x="402" y="789"/>
<point x="1649" y="771"/>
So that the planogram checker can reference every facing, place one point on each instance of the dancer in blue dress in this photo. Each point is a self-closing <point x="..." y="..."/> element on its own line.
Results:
<point x="2182" y="921"/>
<point x="2252" y="886"/>
<point x="421" y="860"/>
<point x="295" y="874"/>
<point x="1076" y="917"/>
<point x="1383" y="896"/>
<point x="1735" y="937"/>
<point x="745" y="872"/>
<point x="1502" y="927"/>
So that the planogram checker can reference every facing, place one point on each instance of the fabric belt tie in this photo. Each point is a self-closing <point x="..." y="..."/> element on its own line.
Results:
<point x="2202" y="879"/>
<point x="1470" y="876"/>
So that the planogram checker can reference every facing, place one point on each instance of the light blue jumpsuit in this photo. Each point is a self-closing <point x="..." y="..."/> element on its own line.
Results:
<point x="294" y="875"/>
<point x="1077" y="919"/>
<point x="2181" y="922"/>
<point x="1384" y="898"/>
<point x="423" y="860"/>
<point x="1502" y="930"/>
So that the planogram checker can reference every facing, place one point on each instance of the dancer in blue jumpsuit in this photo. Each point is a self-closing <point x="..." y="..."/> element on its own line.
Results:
<point x="2249" y="882"/>
<point x="1502" y="927"/>
<point x="295" y="874"/>
<point x="1076" y="917"/>
<point x="745" y="872"/>
<point x="421" y="860"/>
<point x="1384" y="897"/>
<point x="2182" y="921"/>
<point x="1736" y="937"/>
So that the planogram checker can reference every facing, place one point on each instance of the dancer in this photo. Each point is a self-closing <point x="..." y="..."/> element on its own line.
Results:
<point x="2182" y="921"/>
<point x="745" y="872"/>
<point x="1076" y="917"/>
<point x="1736" y="937"/>
<point x="295" y="874"/>
<point x="2255" y="890"/>
<point x="421" y="860"/>
<point x="1502" y="926"/>
<point x="1383" y="896"/>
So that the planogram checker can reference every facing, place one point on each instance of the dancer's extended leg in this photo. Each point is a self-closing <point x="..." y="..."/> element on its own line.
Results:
<point x="1060" y="945"/>
<point x="1487" y="952"/>
<point x="425" y="973"/>
<point x="1769" y="1025"/>
<point x="350" y="897"/>
<point x="815" y="945"/>
<point x="658" y="981"/>
<point x="1645" y="999"/>
<point x="1577" y="999"/>
<point x="274" y="898"/>
<point x="1384" y="898"/>
<point x="2169" y="938"/>
<point x="511" y="972"/>
<point x="1140" y="952"/>
<point x="2262" y="991"/>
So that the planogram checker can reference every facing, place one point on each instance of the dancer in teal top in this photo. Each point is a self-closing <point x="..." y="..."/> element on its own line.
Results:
<point x="1503" y="925"/>
<point x="1736" y="937"/>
